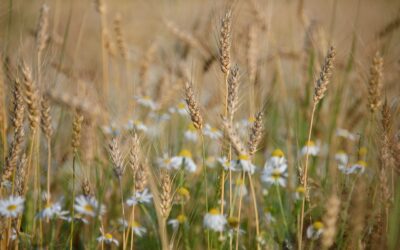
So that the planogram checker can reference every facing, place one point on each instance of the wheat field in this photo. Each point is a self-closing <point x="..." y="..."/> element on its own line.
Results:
<point x="245" y="124"/>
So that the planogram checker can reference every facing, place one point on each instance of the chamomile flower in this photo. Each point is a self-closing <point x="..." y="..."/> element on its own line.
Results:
<point x="315" y="230"/>
<point x="311" y="148"/>
<point x="277" y="159"/>
<point x="179" y="109"/>
<point x="191" y="133"/>
<point x="226" y="164"/>
<point x="138" y="229"/>
<point x="136" y="125"/>
<point x="358" y="167"/>
<point x="111" y="130"/>
<point x="140" y="198"/>
<point x="299" y="193"/>
<point x="275" y="176"/>
<point x="183" y="195"/>
<point x="214" y="221"/>
<point x="212" y="133"/>
<point x="240" y="187"/>
<point x="107" y="238"/>
<point x="134" y="226"/>
<point x="88" y="206"/>
<point x="164" y="162"/>
<point x="184" y="159"/>
<point x="12" y="206"/>
<point x="269" y="219"/>
<point x="244" y="164"/>
<point x="345" y="134"/>
<point x="180" y="220"/>
<point x="147" y="102"/>
<point x="342" y="158"/>
<point x="52" y="210"/>
<point x="362" y="152"/>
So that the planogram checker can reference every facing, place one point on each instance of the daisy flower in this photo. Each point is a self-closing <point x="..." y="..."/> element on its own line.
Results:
<point x="275" y="176"/>
<point x="299" y="193"/>
<point x="311" y="148"/>
<point x="107" y="238"/>
<point x="240" y="187"/>
<point x="345" y="134"/>
<point x="245" y="164"/>
<point x="183" y="194"/>
<point x="358" y="167"/>
<point x="111" y="130"/>
<point x="214" y="221"/>
<point x="191" y="133"/>
<point x="315" y="230"/>
<point x="12" y="206"/>
<point x="146" y="102"/>
<point x="178" y="221"/>
<point x="136" y="125"/>
<point x="137" y="228"/>
<point x="212" y="133"/>
<point x="164" y="162"/>
<point x="184" y="159"/>
<point x="362" y="152"/>
<point x="269" y="219"/>
<point x="226" y="164"/>
<point x="52" y="210"/>
<point x="180" y="109"/>
<point x="140" y="198"/>
<point x="88" y="206"/>
<point x="277" y="159"/>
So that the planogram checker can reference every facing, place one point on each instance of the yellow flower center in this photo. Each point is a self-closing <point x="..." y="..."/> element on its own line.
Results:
<point x="278" y="153"/>
<point x="12" y="207"/>
<point x="233" y="221"/>
<point x="146" y="97"/>
<point x="214" y="211"/>
<point x="185" y="153"/>
<point x="276" y="174"/>
<point x="244" y="157"/>
<point x="318" y="225"/>
<point x="181" y="218"/>
<point x="214" y="130"/>
<point x="137" y="123"/>
<point x="88" y="208"/>
<point x="310" y="143"/>
<point x="167" y="161"/>
<point x="362" y="151"/>
<point x="300" y="190"/>
<point x="181" y="105"/>
<point x="251" y="119"/>
<point x="191" y="127"/>
<point x="239" y="181"/>
<point x="362" y="163"/>
<point x="48" y="205"/>
<point x="134" y="224"/>
<point x="183" y="192"/>
<point x="108" y="236"/>
<point x="341" y="152"/>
